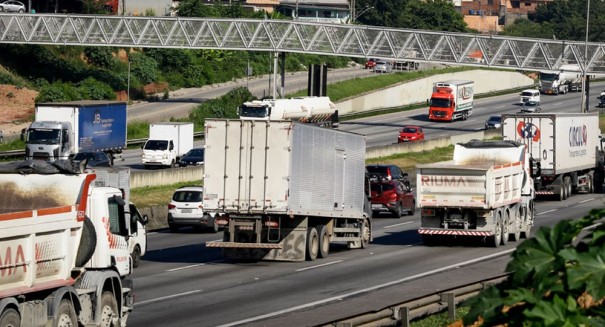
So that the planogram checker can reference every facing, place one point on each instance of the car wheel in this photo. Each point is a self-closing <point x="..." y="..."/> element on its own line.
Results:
<point x="398" y="212"/>
<point x="21" y="11"/>
<point x="413" y="210"/>
<point x="1" y="9"/>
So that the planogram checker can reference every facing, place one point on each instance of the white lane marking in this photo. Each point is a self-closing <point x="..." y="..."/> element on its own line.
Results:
<point x="587" y="200"/>
<point x="365" y="290"/>
<point x="186" y="267"/>
<point x="318" y="266"/>
<point x="407" y="222"/>
<point x="166" y="297"/>
<point x="545" y="212"/>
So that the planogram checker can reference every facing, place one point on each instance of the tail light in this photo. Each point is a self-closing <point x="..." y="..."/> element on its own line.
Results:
<point x="270" y="223"/>
<point x="171" y="206"/>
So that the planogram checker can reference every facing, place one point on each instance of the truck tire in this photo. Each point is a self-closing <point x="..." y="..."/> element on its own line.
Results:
<point x="109" y="310"/>
<point x="88" y="242"/>
<point x="505" y="227"/>
<point x="66" y="315"/>
<point x="365" y="234"/>
<point x="496" y="239"/>
<point x="312" y="244"/>
<point x="136" y="256"/>
<point x="515" y="236"/>
<point x="214" y="228"/>
<point x="324" y="241"/>
<point x="10" y="317"/>
<point x="413" y="209"/>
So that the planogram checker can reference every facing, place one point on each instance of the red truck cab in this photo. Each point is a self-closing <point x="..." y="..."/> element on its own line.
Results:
<point x="442" y="104"/>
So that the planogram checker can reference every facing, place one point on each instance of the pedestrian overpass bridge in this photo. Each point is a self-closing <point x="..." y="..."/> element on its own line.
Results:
<point x="303" y="37"/>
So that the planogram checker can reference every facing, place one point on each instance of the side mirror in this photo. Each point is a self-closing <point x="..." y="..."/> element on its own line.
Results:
<point x="405" y="175"/>
<point x="145" y="220"/>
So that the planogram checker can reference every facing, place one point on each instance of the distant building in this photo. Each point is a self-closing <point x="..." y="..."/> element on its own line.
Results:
<point x="324" y="11"/>
<point x="490" y="16"/>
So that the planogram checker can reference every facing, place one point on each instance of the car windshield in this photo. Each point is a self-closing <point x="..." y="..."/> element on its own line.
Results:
<point x="43" y="136"/>
<point x="409" y="130"/>
<point x="494" y="119"/>
<point x="195" y="153"/>
<point x="527" y="94"/>
<point x="531" y="104"/>
<point x="187" y="196"/>
<point x="156" y="145"/>
<point x="381" y="63"/>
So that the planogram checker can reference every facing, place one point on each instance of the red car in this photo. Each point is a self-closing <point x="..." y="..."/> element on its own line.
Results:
<point x="410" y="134"/>
<point x="370" y="63"/>
<point x="391" y="196"/>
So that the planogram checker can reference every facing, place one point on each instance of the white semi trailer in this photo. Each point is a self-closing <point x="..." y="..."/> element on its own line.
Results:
<point x="316" y="110"/>
<point x="560" y="81"/>
<point x="564" y="149"/>
<point x="63" y="246"/>
<point x="285" y="190"/>
<point x="485" y="191"/>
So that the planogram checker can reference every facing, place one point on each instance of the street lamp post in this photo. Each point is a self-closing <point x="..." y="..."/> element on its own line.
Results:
<point x="584" y="105"/>
<point x="354" y="18"/>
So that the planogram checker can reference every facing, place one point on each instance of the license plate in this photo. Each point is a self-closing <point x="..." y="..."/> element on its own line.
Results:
<point x="376" y="206"/>
<point x="187" y="211"/>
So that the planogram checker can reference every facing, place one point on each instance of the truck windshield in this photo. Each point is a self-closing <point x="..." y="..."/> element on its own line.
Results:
<point x="43" y="136"/>
<point x="156" y="145"/>
<point x="246" y="111"/>
<point x="548" y="76"/>
<point x="441" y="103"/>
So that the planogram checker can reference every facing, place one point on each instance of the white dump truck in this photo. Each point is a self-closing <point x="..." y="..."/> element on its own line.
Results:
<point x="564" y="150"/>
<point x="485" y="191"/>
<point x="285" y="190"/>
<point x="63" y="247"/>
<point x="316" y="110"/>
<point x="167" y="143"/>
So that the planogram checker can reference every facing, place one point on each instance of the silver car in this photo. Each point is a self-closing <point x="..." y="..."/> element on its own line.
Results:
<point x="531" y="106"/>
<point x="186" y="209"/>
<point x="12" y="6"/>
<point x="382" y="67"/>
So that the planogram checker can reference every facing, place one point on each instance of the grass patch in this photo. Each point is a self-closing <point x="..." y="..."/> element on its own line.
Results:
<point x="440" y="319"/>
<point x="151" y="196"/>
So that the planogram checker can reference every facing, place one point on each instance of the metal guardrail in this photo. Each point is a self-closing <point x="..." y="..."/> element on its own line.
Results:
<point x="401" y="314"/>
<point x="21" y="153"/>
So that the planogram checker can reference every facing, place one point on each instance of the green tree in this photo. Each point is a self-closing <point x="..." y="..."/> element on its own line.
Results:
<point x="557" y="279"/>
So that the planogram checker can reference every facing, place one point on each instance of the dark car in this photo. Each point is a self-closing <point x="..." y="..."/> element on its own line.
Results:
<point x="391" y="196"/>
<point x="93" y="159"/>
<point x="390" y="171"/>
<point x="493" y="122"/>
<point x="194" y="157"/>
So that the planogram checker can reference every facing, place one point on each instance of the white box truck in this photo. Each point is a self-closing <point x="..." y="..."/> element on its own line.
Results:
<point x="485" y="191"/>
<point x="64" y="247"/>
<point x="564" y="149"/>
<point x="167" y="143"/>
<point x="285" y="190"/>
<point x="451" y="100"/>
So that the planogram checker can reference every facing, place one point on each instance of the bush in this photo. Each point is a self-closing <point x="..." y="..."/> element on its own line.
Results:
<point x="99" y="56"/>
<point x="58" y="92"/>
<point x="144" y="68"/>
<point x="92" y="89"/>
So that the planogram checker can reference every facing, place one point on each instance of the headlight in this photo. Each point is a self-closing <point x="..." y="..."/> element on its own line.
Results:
<point x="165" y="156"/>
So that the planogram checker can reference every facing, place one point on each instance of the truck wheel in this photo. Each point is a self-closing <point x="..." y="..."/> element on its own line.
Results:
<point x="364" y="237"/>
<point x="136" y="256"/>
<point x="214" y="228"/>
<point x="324" y="241"/>
<point x="497" y="238"/>
<point x="505" y="228"/>
<point x="172" y="164"/>
<point x="561" y="189"/>
<point x="66" y="315"/>
<point x="465" y="115"/>
<point x="413" y="210"/>
<point x="109" y="310"/>
<point x="569" y="186"/>
<point x="515" y="236"/>
<point x="10" y="317"/>
<point x="312" y="244"/>
<point x="88" y="242"/>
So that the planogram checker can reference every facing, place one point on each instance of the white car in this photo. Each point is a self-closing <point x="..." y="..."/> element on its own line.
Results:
<point x="382" y="67"/>
<point x="12" y="6"/>
<point x="186" y="209"/>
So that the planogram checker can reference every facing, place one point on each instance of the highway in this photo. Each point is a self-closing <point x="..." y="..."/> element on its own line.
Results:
<point x="180" y="282"/>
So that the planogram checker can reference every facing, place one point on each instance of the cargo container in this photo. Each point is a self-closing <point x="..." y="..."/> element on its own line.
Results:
<point x="285" y="190"/>
<point x="564" y="150"/>
<point x="62" y="129"/>
<point x="485" y="192"/>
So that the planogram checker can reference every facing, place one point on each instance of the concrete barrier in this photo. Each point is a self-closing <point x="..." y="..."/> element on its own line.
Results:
<point x="418" y="91"/>
<point x="166" y="176"/>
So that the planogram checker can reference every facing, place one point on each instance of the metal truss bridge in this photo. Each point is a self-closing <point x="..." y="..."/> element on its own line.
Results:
<point x="302" y="37"/>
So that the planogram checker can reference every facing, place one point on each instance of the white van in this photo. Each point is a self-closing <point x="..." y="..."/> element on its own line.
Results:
<point x="530" y="95"/>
